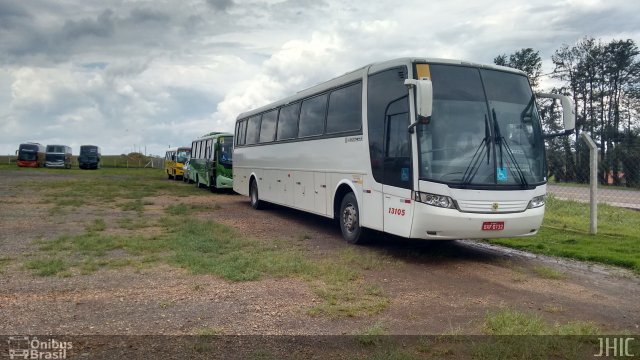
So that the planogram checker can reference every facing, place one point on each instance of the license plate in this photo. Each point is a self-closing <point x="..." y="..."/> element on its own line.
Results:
<point x="493" y="225"/>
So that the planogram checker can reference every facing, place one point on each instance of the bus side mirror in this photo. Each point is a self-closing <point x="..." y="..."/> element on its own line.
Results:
<point x="423" y="89"/>
<point x="568" y="113"/>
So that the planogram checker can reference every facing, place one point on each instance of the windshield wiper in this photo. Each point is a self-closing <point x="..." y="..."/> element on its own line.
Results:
<point x="500" y="141"/>
<point x="484" y="148"/>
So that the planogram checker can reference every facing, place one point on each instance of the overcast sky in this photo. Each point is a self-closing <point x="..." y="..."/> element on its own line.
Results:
<point x="149" y="74"/>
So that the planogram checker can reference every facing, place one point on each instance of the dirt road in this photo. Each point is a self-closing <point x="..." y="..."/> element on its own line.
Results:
<point x="432" y="287"/>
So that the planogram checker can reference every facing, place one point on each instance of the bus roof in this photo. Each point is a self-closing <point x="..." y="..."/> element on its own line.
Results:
<point x="369" y="69"/>
<point x="214" y="135"/>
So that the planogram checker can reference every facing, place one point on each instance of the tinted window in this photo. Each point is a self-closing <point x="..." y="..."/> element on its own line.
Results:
<point x="312" y="116"/>
<point x="397" y="160"/>
<point x="240" y="133"/>
<point x="453" y="83"/>
<point x="505" y="87"/>
<point x="207" y="149"/>
<point x="268" y="126"/>
<point x="237" y="132"/>
<point x="226" y="150"/>
<point x="345" y="109"/>
<point x="386" y="96"/>
<point x="288" y="122"/>
<point x="253" y="130"/>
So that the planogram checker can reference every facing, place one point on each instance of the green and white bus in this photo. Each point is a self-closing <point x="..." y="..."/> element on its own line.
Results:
<point x="211" y="161"/>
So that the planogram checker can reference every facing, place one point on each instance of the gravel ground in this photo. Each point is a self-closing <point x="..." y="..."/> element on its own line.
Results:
<point x="434" y="288"/>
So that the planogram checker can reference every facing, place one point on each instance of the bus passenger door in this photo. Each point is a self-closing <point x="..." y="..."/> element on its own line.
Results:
<point x="396" y="189"/>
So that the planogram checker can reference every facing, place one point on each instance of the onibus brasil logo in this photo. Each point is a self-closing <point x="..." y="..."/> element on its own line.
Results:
<point x="25" y="347"/>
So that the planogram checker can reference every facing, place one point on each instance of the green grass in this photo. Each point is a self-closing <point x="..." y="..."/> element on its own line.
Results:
<point x="96" y="225"/>
<point x="372" y="335"/>
<point x="563" y="341"/>
<point x="139" y="222"/>
<point x="177" y="209"/>
<point x="82" y="187"/>
<point x="47" y="267"/>
<point x="548" y="273"/>
<point x="565" y="233"/>
<point x="183" y="240"/>
<point x="513" y="322"/>
<point x="4" y="263"/>
<point x="206" y="247"/>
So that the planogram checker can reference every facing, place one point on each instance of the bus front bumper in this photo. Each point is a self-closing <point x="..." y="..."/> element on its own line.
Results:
<point x="430" y="222"/>
<point x="55" y="164"/>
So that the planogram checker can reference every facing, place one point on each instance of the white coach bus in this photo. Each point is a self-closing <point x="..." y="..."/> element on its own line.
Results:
<point x="415" y="147"/>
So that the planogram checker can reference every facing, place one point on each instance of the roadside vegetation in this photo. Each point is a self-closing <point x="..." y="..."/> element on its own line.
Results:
<point x="565" y="233"/>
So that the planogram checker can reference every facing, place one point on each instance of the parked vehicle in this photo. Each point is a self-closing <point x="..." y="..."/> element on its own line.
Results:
<point x="211" y="161"/>
<point x="31" y="155"/>
<point x="58" y="156"/>
<point x="174" y="160"/>
<point x="415" y="147"/>
<point x="90" y="157"/>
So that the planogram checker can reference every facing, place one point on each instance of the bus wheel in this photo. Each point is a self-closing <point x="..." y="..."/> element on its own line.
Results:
<point x="253" y="195"/>
<point x="350" y="220"/>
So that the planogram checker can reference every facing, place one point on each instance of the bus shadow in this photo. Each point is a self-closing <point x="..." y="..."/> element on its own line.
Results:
<point x="430" y="251"/>
<point x="407" y="250"/>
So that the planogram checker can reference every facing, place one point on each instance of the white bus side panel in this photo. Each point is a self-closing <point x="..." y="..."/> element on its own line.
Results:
<point x="372" y="202"/>
<point x="303" y="190"/>
<point x="304" y="174"/>
<point x="321" y="199"/>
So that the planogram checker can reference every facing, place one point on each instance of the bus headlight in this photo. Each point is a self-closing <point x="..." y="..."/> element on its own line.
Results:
<point x="536" y="202"/>
<point x="435" y="200"/>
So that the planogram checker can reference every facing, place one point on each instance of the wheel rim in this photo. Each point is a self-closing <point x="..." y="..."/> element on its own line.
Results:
<point x="254" y="194"/>
<point x="350" y="218"/>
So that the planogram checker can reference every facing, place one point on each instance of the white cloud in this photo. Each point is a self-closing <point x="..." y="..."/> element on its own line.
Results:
<point x="159" y="73"/>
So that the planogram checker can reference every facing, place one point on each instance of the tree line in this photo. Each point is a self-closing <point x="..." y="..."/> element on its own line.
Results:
<point x="603" y="79"/>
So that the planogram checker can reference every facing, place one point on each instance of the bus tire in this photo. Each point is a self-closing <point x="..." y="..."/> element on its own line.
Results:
<point x="349" y="219"/>
<point x="254" y="198"/>
<point x="212" y="184"/>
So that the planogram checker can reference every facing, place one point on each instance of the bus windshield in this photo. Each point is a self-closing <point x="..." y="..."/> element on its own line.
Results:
<point x="183" y="155"/>
<point x="28" y="152"/>
<point x="484" y="130"/>
<point x="226" y="149"/>
<point x="88" y="150"/>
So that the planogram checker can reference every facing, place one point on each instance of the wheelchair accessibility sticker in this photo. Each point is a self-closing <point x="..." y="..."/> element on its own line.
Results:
<point x="501" y="174"/>
<point x="404" y="175"/>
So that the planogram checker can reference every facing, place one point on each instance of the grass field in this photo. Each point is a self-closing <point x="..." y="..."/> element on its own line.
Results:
<point x="181" y="238"/>
<point x="137" y="219"/>
<point x="565" y="233"/>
